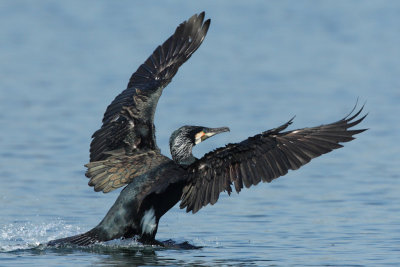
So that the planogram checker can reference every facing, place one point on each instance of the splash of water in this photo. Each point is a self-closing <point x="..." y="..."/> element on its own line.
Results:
<point x="26" y="235"/>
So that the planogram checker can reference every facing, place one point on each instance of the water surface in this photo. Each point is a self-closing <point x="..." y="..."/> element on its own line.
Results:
<point x="61" y="64"/>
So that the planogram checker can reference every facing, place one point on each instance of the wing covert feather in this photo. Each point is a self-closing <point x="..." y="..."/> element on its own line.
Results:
<point x="119" y="170"/>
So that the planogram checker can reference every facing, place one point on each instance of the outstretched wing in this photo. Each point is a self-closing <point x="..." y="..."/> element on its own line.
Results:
<point x="128" y="122"/>
<point x="263" y="157"/>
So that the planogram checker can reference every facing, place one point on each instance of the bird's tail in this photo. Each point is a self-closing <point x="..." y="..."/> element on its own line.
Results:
<point x="85" y="239"/>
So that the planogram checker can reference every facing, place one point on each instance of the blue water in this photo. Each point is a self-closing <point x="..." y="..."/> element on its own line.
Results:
<point x="61" y="64"/>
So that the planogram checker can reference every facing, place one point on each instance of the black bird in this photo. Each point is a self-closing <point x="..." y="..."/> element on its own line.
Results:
<point x="124" y="151"/>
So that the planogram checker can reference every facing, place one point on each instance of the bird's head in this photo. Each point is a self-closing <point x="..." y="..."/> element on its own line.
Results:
<point x="182" y="141"/>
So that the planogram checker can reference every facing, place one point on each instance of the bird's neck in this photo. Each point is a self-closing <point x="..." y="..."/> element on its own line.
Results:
<point x="183" y="154"/>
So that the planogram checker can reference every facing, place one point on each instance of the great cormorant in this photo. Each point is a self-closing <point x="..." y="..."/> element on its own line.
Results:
<point x="124" y="151"/>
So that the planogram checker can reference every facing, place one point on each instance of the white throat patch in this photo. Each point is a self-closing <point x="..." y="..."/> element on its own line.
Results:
<point x="148" y="222"/>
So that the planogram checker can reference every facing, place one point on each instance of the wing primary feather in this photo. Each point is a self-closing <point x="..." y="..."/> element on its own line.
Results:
<point x="271" y="162"/>
<point x="293" y="160"/>
<point x="216" y="190"/>
<point x="349" y="125"/>
<point x="238" y="177"/>
<point x="253" y="172"/>
<point x="245" y="177"/>
<point x="356" y="114"/>
<point x="207" y="194"/>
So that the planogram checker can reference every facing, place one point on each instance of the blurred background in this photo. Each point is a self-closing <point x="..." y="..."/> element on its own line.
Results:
<point x="262" y="62"/>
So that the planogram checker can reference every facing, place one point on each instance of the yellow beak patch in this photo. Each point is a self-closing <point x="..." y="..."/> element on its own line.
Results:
<point x="200" y="136"/>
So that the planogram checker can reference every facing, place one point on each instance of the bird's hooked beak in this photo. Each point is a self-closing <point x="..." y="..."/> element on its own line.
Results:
<point x="208" y="132"/>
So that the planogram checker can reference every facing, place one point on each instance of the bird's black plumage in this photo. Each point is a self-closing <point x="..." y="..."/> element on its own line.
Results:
<point x="263" y="157"/>
<point x="124" y="151"/>
<point x="128" y="132"/>
<point x="128" y="122"/>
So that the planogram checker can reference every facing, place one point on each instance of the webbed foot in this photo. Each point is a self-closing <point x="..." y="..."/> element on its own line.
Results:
<point x="184" y="245"/>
